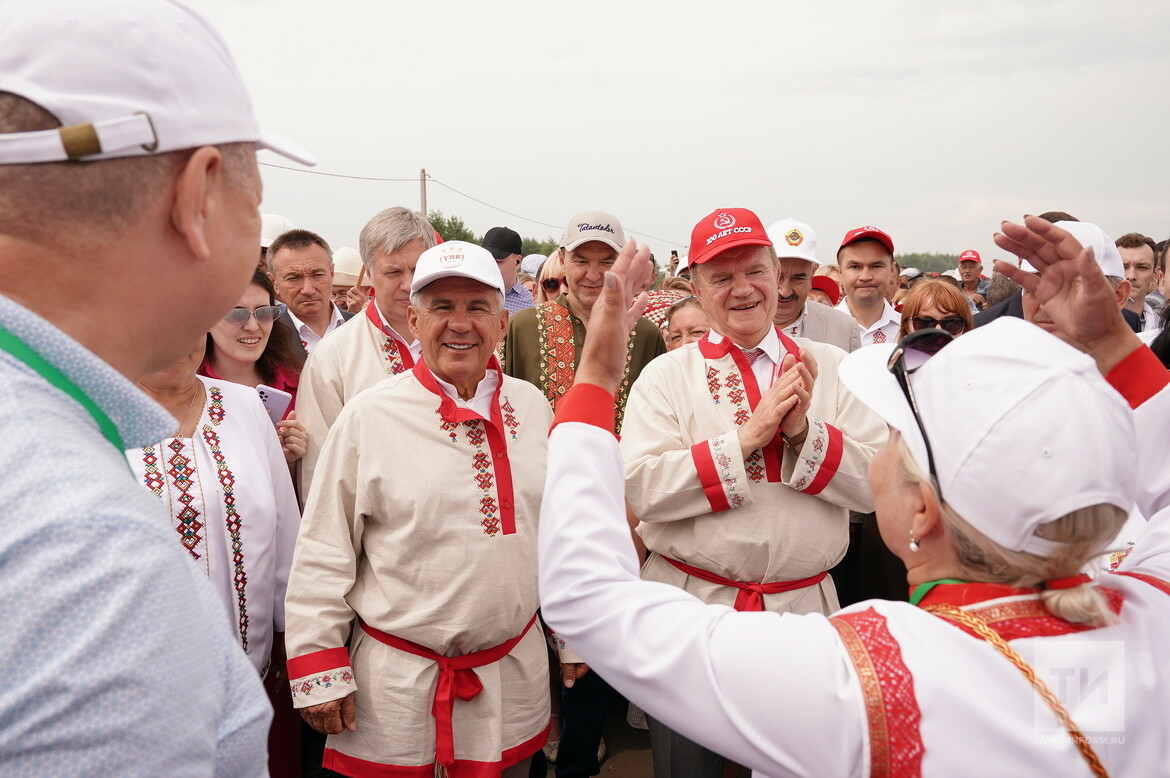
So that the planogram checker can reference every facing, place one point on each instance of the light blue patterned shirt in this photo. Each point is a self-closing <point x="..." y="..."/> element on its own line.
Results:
<point x="116" y="656"/>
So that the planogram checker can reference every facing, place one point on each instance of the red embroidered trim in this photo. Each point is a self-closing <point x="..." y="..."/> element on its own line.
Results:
<point x="830" y="463"/>
<point x="557" y="352"/>
<point x="492" y="467"/>
<point x="317" y="662"/>
<point x="895" y="737"/>
<point x="234" y="523"/>
<point x="462" y="768"/>
<point x="398" y="356"/>
<point x="709" y="477"/>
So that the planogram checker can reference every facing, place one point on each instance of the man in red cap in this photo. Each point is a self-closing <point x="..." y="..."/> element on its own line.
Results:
<point x="743" y="455"/>
<point x="867" y="265"/>
<point x="971" y="279"/>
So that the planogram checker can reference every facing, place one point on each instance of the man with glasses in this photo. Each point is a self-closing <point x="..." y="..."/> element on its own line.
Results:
<point x="796" y="248"/>
<point x="300" y="264"/>
<point x="743" y="455"/>
<point x="373" y="345"/>
<point x="129" y="188"/>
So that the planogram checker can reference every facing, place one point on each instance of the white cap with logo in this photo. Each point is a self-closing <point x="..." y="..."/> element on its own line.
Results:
<point x="458" y="259"/>
<point x="1023" y="428"/>
<point x="124" y="78"/>
<point x="1093" y="237"/>
<point x="793" y="240"/>
<point x="594" y="225"/>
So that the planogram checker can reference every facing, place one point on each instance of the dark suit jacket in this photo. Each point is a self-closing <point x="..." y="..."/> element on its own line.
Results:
<point x="295" y="337"/>
<point x="1014" y="306"/>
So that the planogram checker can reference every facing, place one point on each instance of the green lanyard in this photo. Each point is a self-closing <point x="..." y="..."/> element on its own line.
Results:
<point x="921" y="589"/>
<point x="25" y="353"/>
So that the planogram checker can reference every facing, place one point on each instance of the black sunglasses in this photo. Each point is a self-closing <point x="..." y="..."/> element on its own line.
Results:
<point x="265" y="314"/>
<point x="955" y="325"/>
<point x="552" y="284"/>
<point x="911" y="353"/>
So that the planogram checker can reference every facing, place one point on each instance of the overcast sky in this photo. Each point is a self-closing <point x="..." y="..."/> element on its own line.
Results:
<point x="932" y="120"/>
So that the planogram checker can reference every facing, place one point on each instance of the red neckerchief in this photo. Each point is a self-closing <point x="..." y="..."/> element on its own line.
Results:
<point x="451" y="413"/>
<point x="773" y="451"/>
<point x="1013" y="619"/>
<point x="403" y="352"/>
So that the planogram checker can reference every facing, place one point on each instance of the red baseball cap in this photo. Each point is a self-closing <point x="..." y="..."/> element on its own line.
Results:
<point x="827" y="285"/>
<point x="725" y="229"/>
<point x="857" y="234"/>
<point x="970" y="255"/>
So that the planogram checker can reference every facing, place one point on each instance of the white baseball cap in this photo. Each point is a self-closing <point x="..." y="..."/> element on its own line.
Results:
<point x="272" y="226"/>
<point x="594" y="225"/>
<point x="456" y="258"/>
<point x="793" y="240"/>
<point x="347" y="266"/>
<point x="1091" y="236"/>
<point x="1023" y="428"/>
<point x="531" y="264"/>
<point x="124" y="78"/>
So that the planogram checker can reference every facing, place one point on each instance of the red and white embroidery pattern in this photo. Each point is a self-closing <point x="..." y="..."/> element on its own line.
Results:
<point x="723" y="460"/>
<point x="509" y="414"/>
<point x="891" y="707"/>
<point x="233" y="521"/>
<point x="302" y="686"/>
<point x="713" y="385"/>
<point x="394" y="363"/>
<point x="215" y="410"/>
<point x="812" y="454"/>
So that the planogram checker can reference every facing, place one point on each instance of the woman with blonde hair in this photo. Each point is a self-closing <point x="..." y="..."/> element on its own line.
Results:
<point x="934" y="303"/>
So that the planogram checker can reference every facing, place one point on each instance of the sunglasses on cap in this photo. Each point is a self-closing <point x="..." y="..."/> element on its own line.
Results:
<point x="265" y="314"/>
<point x="552" y="284"/>
<point x="911" y="353"/>
<point x="952" y="324"/>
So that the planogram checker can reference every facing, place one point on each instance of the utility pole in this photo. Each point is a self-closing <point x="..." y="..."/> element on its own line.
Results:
<point x="422" y="190"/>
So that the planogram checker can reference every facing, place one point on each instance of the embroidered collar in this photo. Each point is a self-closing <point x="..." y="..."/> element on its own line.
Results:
<point x="449" y="410"/>
<point x="771" y="344"/>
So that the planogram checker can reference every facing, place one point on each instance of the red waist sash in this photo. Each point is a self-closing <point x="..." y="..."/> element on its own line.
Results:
<point x="751" y="595"/>
<point x="457" y="678"/>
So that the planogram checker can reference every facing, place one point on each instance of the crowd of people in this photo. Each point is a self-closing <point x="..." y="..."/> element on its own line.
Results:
<point x="811" y="518"/>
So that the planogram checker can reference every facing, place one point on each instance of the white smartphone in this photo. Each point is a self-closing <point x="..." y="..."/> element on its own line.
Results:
<point x="275" y="401"/>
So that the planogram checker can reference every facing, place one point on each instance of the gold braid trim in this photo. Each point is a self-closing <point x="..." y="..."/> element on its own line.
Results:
<point x="981" y="628"/>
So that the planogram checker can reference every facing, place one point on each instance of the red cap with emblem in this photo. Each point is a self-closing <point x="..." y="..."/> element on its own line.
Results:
<point x="724" y="229"/>
<point x="868" y="232"/>
<point x="970" y="255"/>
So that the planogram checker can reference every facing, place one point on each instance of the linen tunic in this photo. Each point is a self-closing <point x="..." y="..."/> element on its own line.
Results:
<point x="427" y="532"/>
<point x="231" y="504"/>
<point x="353" y="358"/>
<point x="701" y="503"/>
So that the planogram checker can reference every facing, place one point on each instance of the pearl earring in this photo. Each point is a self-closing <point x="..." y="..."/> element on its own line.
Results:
<point x="913" y="543"/>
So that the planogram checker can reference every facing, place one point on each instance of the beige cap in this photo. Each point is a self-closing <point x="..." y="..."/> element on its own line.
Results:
<point x="347" y="266"/>
<point x="594" y="225"/>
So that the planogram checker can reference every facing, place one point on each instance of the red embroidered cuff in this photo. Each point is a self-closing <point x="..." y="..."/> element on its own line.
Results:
<point x="588" y="404"/>
<point x="709" y="477"/>
<point x="1139" y="376"/>
<point x="834" y="448"/>
<point x="317" y="662"/>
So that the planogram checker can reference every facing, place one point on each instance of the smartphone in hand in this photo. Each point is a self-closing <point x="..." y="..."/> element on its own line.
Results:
<point x="275" y="401"/>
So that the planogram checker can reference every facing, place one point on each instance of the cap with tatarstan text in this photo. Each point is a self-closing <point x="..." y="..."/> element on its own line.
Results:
<point x="457" y="259"/>
<point x="871" y="233"/>
<point x="594" y="225"/>
<point x="724" y="229"/>
<point x="124" y="78"/>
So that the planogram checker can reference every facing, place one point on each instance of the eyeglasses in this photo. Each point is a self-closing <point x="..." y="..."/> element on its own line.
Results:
<point x="265" y="314"/>
<point x="911" y="353"/>
<point x="955" y="325"/>
<point x="551" y="285"/>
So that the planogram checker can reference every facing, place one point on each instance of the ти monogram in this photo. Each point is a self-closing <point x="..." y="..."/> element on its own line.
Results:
<point x="603" y="227"/>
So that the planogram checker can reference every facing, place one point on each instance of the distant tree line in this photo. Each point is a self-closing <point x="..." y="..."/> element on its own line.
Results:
<point x="453" y="228"/>
<point x="928" y="263"/>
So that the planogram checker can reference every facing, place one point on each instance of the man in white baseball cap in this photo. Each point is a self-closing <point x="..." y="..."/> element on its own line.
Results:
<point x="443" y="581"/>
<point x="796" y="248"/>
<point x="129" y="223"/>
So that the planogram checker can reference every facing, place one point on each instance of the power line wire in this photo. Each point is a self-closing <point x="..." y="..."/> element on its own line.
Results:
<point x="445" y="186"/>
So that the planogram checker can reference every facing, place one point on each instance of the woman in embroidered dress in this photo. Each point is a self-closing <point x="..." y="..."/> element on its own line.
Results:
<point x="223" y="479"/>
<point x="241" y="349"/>
<point x="934" y="303"/>
<point x="1011" y="463"/>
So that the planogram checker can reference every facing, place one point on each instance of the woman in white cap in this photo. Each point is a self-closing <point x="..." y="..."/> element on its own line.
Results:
<point x="1010" y="464"/>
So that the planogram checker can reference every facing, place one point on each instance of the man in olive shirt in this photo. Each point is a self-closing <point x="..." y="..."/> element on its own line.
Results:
<point x="543" y="344"/>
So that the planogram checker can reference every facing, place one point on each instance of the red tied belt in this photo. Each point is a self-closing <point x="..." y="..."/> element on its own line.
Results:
<point x="751" y="595"/>
<point x="457" y="678"/>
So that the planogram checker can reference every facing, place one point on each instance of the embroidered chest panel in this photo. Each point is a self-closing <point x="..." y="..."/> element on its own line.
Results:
<point x="728" y="385"/>
<point x="474" y="433"/>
